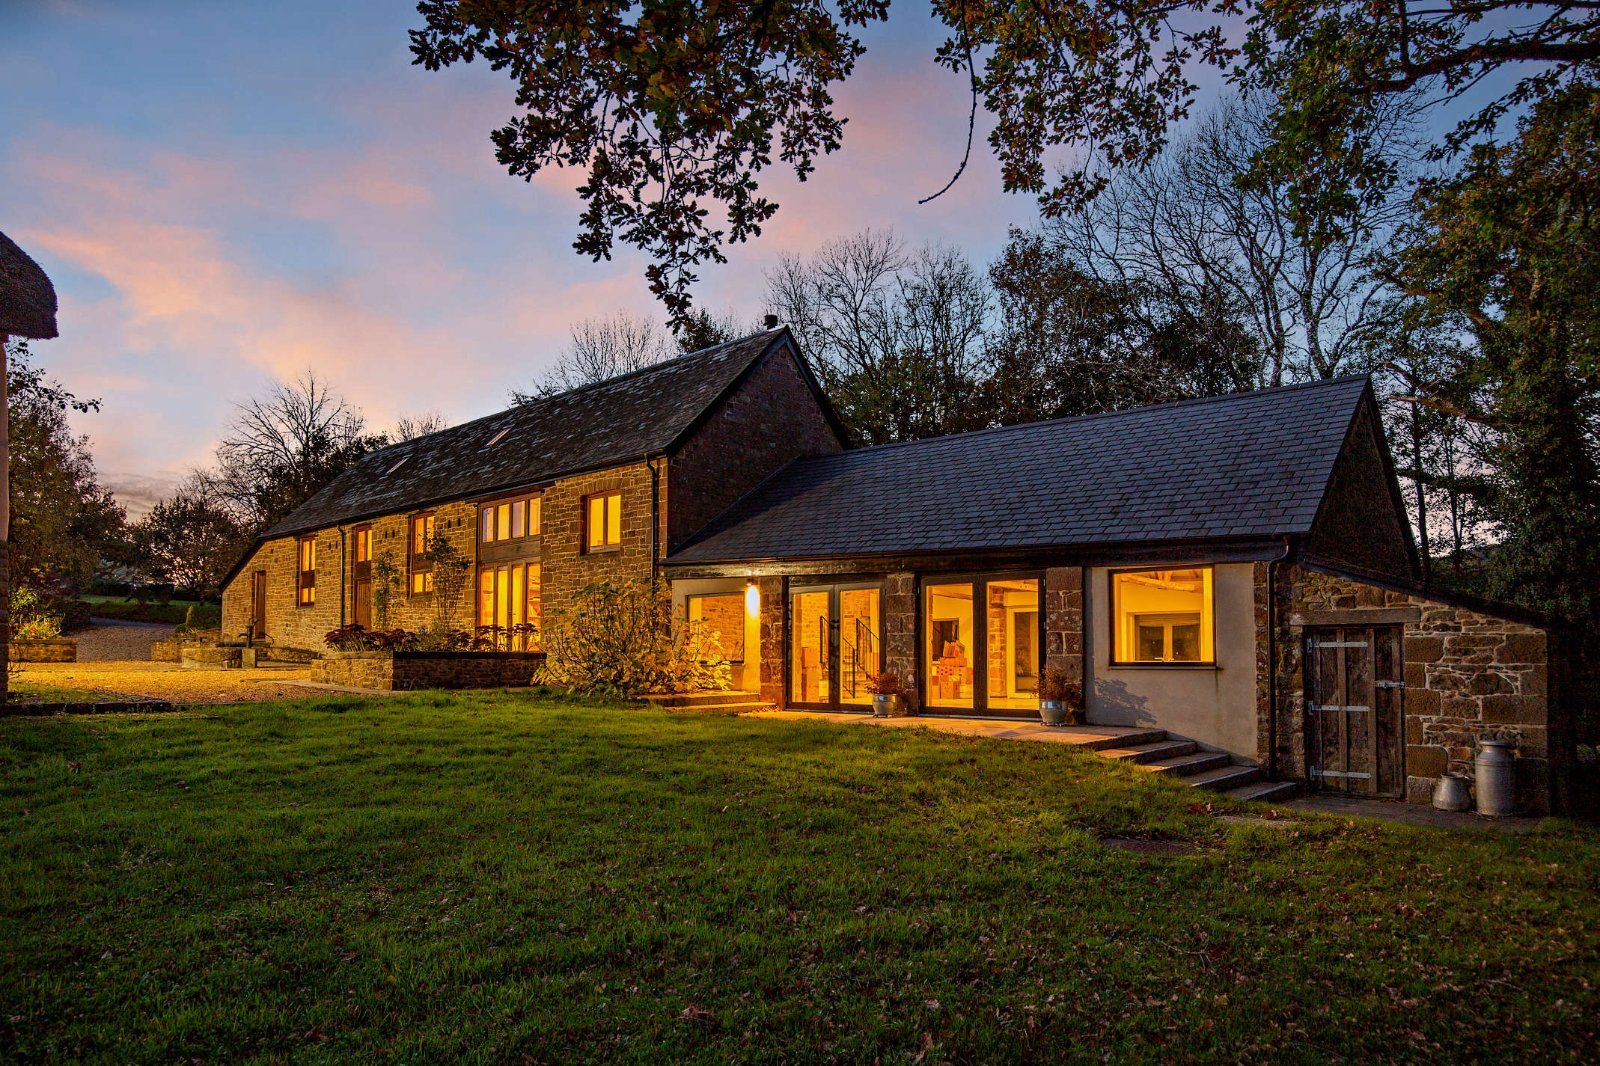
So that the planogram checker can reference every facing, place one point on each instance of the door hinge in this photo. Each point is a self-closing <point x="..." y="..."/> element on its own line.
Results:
<point x="1338" y="773"/>
<point x="1338" y="643"/>
<point x="1388" y="684"/>
<point x="1337" y="707"/>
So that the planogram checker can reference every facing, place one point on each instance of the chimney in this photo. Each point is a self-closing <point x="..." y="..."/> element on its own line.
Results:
<point x="770" y="322"/>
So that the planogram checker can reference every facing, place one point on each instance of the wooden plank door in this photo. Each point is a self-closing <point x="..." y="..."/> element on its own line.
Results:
<point x="1354" y="697"/>
<point x="258" y="603"/>
<point x="362" y="597"/>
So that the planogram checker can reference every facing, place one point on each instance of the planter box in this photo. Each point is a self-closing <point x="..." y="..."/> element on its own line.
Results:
<point x="395" y="671"/>
<point x="45" y="650"/>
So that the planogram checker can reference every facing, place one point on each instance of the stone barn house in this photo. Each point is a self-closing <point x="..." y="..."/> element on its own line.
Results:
<point x="1236" y="571"/>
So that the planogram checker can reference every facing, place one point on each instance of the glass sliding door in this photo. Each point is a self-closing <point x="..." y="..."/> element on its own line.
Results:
<point x="950" y="645"/>
<point x="810" y="647"/>
<point x="982" y="658"/>
<point x="835" y="644"/>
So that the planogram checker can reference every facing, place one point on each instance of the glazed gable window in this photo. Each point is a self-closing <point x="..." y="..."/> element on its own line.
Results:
<point x="306" y="581"/>
<point x="1163" y="616"/>
<point x="602" y="521"/>
<point x="419" y="566"/>
<point x="509" y="520"/>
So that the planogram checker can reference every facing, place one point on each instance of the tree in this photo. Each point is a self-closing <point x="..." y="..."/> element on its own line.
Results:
<point x="897" y="337"/>
<point x="1202" y="239"/>
<point x="410" y="427"/>
<point x="63" y="522"/>
<point x="599" y="349"/>
<point x="285" y="446"/>
<point x="191" y="538"/>
<point x="674" y="109"/>
<point x="1507" y="253"/>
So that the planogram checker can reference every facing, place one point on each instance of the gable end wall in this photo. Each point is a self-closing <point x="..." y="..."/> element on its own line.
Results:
<point x="772" y="419"/>
<point x="1360" y="525"/>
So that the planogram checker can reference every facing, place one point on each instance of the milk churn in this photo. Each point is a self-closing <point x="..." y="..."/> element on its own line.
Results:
<point x="1451" y="792"/>
<point x="1496" y="770"/>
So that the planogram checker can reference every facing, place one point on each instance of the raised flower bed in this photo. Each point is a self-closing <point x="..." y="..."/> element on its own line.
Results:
<point x="391" y="670"/>
<point x="45" y="650"/>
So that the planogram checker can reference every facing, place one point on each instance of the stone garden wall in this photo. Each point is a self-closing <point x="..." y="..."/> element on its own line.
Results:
<point x="1469" y="675"/>
<point x="45" y="650"/>
<point x="406" y="671"/>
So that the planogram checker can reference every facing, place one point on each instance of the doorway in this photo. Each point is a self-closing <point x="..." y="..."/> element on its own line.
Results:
<point x="1354" y="678"/>
<point x="258" y="604"/>
<point x="835" y="644"/>
<point x="982" y="638"/>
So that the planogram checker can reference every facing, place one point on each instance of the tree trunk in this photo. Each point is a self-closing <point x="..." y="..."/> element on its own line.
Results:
<point x="1422" y="492"/>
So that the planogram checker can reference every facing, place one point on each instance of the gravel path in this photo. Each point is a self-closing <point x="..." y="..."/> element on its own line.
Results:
<point x="167" y="681"/>
<point x="108" y="640"/>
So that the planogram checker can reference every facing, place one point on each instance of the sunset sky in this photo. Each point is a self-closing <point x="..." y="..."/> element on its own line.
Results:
<point x="225" y="193"/>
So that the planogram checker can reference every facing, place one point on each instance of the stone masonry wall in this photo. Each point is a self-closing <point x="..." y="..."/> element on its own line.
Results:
<point x="566" y="567"/>
<point x="423" y="670"/>
<point x="1468" y="676"/>
<point x="900" y="632"/>
<point x="772" y="419"/>
<point x="774" y="602"/>
<point x="1063" y="620"/>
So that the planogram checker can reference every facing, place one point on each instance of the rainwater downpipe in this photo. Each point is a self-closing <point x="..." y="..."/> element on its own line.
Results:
<point x="344" y="579"/>
<point x="655" y="517"/>
<point x="1272" y="658"/>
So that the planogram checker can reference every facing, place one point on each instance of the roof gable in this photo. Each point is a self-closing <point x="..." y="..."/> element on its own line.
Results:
<point x="1247" y="465"/>
<point x="647" y="412"/>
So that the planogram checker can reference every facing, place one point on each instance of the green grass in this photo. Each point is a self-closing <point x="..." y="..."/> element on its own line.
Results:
<point x="493" y="877"/>
<point x="33" y="693"/>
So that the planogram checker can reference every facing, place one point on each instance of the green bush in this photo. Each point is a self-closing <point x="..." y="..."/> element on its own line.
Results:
<point x="171" y="614"/>
<point x="30" y="619"/>
<point x="620" y="640"/>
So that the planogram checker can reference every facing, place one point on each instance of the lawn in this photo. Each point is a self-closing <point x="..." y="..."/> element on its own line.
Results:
<point x="498" y="877"/>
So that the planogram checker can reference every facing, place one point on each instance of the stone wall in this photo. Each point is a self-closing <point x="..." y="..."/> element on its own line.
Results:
<point x="1063" y="621"/>
<point x="45" y="650"/>
<point x="1361" y="524"/>
<point x="1469" y="676"/>
<point x="771" y="420"/>
<point x="407" y="671"/>
<point x="900" y="632"/>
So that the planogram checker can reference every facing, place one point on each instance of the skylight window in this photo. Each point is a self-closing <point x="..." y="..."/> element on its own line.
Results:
<point x="498" y="437"/>
<point x="398" y="464"/>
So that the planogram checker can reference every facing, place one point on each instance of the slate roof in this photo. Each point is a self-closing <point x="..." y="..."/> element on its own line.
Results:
<point x="1251" y="464"/>
<point x="616" y="421"/>
<point x="27" y="299"/>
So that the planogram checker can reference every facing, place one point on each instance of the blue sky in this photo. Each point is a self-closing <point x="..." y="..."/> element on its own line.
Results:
<point x="226" y="193"/>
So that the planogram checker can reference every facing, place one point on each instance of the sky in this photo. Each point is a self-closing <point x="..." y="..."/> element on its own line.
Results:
<point x="229" y="193"/>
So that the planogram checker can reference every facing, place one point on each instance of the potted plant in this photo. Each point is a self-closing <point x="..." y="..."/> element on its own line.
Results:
<point x="886" y="688"/>
<point x="1058" y="692"/>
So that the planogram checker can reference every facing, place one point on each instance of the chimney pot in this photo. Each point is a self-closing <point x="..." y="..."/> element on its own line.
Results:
<point x="771" y="322"/>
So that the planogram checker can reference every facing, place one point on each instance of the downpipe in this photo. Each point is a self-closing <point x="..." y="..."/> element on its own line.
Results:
<point x="1272" y="658"/>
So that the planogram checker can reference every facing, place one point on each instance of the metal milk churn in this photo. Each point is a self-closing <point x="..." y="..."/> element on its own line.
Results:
<point x="1496" y="771"/>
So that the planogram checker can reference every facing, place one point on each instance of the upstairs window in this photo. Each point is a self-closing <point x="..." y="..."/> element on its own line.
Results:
<point x="306" y="581"/>
<point x="419" y="565"/>
<point x="1163" y="616"/>
<point x="363" y="545"/>
<point x="602" y="523"/>
<point x="509" y="520"/>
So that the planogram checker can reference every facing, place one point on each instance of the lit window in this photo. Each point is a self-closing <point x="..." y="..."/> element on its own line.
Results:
<point x="511" y="520"/>
<point x="421" y="567"/>
<point x="1162" y="616"/>
<point x="364" y="544"/>
<point x="603" y="521"/>
<point x="509" y="605"/>
<point x="306" y="583"/>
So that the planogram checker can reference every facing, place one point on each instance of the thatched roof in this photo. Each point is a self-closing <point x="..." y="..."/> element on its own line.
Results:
<point x="27" y="299"/>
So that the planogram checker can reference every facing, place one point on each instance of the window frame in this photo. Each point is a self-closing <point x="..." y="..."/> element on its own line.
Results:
<point x="416" y="563"/>
<point x="979" y="580"/>
<point x="1113" y="663"/>
<point x="608" y="546"/>
<point x="362" y="534"/>
<point x="305" y="580"/>
<point x="532" y="508"/>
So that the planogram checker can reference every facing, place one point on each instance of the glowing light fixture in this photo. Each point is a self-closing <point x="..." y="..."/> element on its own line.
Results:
<point x="752" y="600"/>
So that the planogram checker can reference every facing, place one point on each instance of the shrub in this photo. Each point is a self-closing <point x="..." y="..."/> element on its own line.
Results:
<point x="31" y="619"/>
<point x="1058" y="685"/>
<point x="887" y="683"/>
<point x="201" y="616"/>
<point x="620" y="640"/>
<point x="355" y="637"/>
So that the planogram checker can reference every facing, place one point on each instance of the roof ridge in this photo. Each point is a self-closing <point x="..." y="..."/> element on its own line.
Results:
<point x="664" y="364"/>
<point x="1192" y="401"/>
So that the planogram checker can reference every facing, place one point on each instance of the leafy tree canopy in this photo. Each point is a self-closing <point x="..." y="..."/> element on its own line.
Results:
<point x="673" y="109"/>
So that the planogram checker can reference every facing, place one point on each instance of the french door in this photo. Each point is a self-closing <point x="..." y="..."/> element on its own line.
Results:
<point x="835" y="644"/>
<point x="982" y="644"/>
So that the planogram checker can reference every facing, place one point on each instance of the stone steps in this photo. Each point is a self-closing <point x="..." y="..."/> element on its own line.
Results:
<point x="1182" y="760"/>
<point x="1146" y="753"/>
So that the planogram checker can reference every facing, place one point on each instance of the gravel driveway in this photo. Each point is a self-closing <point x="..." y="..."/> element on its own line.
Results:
<point x="108" y="640"/>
